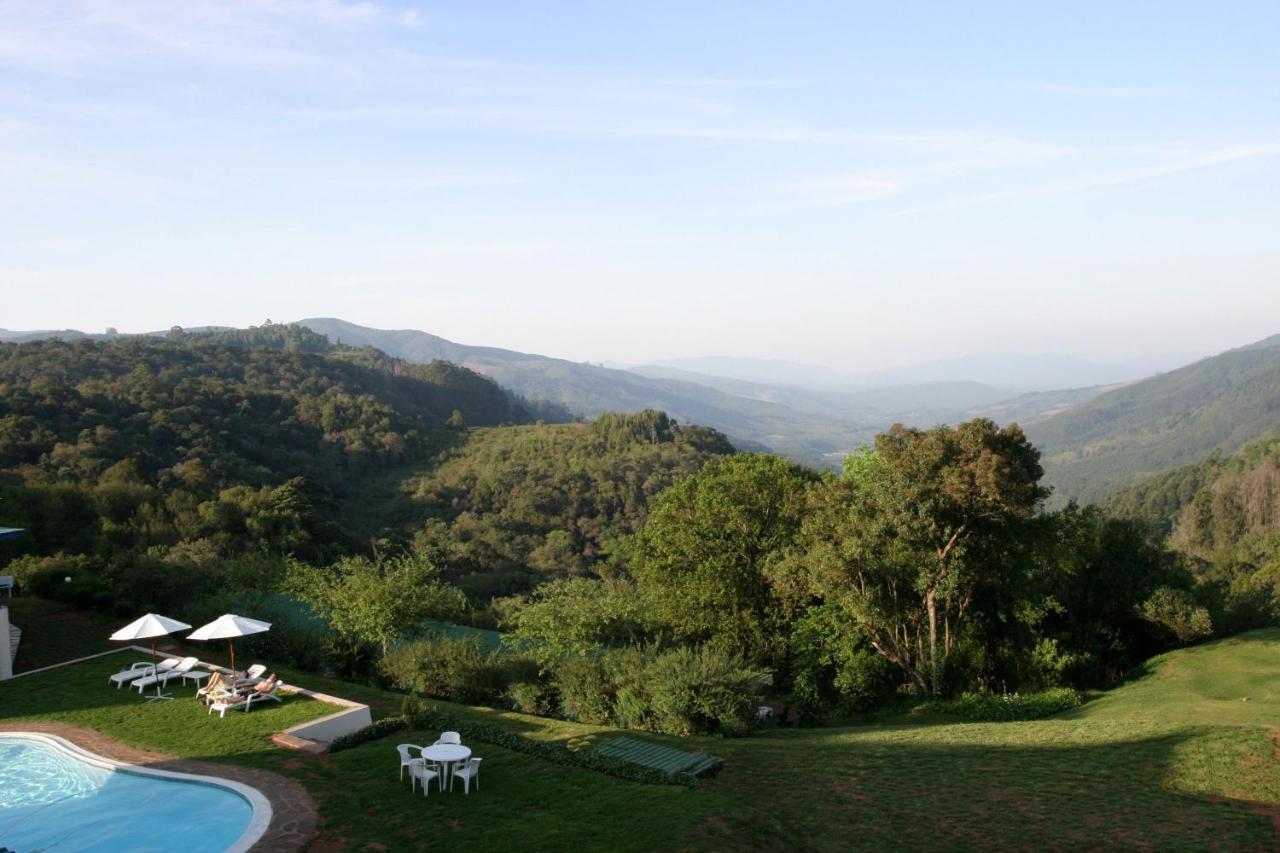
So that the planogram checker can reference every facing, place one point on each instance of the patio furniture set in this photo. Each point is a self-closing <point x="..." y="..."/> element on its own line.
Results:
<point x="446" y="760"/>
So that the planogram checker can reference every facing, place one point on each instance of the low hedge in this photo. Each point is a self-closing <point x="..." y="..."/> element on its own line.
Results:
<point x="1007" y="707"/>
<point x="418" y="715"/>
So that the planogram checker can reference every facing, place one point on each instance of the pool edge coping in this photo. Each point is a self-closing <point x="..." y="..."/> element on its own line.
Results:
<point x="262" y="811"/>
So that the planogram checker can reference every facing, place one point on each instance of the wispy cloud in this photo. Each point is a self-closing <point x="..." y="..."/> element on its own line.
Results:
<point x="1205" y="160"/>
<point x="1081" y="91"/>
<point x="428" y="183"/>
<point x="841" y="190"/>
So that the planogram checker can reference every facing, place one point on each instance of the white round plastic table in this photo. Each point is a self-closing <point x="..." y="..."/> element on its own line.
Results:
<point x="446" y="754"/>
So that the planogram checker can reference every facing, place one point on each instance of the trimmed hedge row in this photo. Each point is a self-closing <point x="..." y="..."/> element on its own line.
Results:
<point x="419" y="715"/>
<point x="1007" y="707"/>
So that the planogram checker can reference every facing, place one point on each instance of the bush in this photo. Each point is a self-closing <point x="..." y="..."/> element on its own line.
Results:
<point x="378" y="729"/>
<point x="532" y="697"/>
<point x="1005" y="707"/>
<point x="702" y="690"/>
<point x="1175" y="612"/>
<point x="72" y="582"/>
<point x="679" y="692"/>
<point x="585" y="688"/>
<point x="446" y="668"/>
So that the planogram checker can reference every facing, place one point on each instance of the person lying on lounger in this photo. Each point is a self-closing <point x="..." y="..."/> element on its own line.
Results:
<point x="265" y="686"/>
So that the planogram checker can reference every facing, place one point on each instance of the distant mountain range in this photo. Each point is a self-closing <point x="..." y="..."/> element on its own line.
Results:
<point x="815" y="426"/>
<point x="1022" y="372"/>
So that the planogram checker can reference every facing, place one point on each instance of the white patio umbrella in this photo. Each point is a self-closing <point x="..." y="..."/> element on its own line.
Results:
<point x="150" y="627"/>
<point x="228" y="626"/>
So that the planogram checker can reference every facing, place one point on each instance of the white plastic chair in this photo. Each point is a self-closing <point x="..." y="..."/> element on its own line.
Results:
<point x="6" y="584"/>
<point x="468" y="770"/>
<point x="407" y="760"/>
<point x="420" y="771"/>
<point x="449" y="737"/>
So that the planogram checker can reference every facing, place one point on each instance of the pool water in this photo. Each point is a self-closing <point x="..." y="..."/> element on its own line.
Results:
<point x="52" y="800"/>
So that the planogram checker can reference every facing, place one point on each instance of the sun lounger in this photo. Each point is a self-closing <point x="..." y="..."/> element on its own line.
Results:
<point x="222" y="704"/>
<point x="183" y="666"/>
<point x="252" y="676"/>
<point x="138" y="670"/>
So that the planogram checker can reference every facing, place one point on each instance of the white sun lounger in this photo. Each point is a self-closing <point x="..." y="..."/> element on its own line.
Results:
<point x="163" y="676"/>
<point x="224" y="703"/>
<point x="138" y="670"/>
<point x="252" y="675"/>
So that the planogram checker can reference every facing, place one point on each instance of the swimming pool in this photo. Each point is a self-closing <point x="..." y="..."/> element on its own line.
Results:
<point x="55" y="796"/>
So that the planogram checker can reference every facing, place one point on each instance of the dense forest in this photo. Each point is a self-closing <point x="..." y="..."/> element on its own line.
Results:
<point x="207" y="443"/>
<point x="205" y="447"/>
<point x="511" y="505"/>
<point x="1223" y="515"/>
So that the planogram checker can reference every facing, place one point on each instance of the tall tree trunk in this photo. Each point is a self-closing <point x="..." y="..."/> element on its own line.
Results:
<point x="931" y="602"/>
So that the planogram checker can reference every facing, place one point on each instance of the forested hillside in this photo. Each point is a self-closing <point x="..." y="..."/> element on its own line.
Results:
<point x="183" y="453"/>
<point x="139" y="443"/>
<point x="1171" y="420"/>
<point x="1223" y="511"/>
<point x="512" y="504"/>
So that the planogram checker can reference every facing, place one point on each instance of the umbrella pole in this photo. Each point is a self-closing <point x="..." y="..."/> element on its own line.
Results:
<point x="155" y="673"/>
<point x="235" y="676"/>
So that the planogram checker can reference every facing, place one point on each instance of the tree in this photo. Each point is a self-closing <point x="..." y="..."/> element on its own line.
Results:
<point x="1176" y="612"/>
<point x="903" y="539"/>
<point x="702" y="559"/>
<point x="375" y="601"/>
<point x="575" y="616"/>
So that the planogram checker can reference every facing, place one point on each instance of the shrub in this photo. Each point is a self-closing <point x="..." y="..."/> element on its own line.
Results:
<point x="373" y="731"/>
<point x="446" y="668"/>
<point x="532" y="697"/>
<point x="1175" y="612"/>
<point x="680" y="691"/>
<point x="703" y="690"/>
<point x="585" y="688"/>
<point x="1004" y="707"/>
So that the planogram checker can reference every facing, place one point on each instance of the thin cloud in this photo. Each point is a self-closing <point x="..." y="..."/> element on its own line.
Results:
<point x="429" y="183"/>
<point x="1209" y="159"/>
<point x="1078" y="91"/>
<point x="842" y="190"/>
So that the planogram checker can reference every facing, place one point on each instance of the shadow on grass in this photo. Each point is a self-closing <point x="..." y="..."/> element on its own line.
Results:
<point x="1186" y="789"/>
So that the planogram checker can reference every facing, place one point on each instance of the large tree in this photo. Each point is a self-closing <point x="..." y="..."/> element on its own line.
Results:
<point x="702" y="560"/>
<point x="902" y="540"/>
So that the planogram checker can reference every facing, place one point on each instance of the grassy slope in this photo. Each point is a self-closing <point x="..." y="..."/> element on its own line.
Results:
<point x="1173" y="760"/>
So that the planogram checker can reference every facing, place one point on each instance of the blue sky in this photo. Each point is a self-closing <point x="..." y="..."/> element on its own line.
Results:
<point x="851" y="184"/>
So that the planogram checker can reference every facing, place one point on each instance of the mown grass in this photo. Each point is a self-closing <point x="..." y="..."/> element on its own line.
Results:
<point x="53" y="632"/>
<point x="1173" y="760"/>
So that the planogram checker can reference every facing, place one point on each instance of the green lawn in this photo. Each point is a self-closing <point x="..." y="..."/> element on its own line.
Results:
<point x="52" y="632"/>
<point x="1174" y="760"/>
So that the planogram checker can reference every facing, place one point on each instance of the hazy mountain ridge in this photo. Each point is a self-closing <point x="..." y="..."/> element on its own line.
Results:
<point x="1174" y="419"/>
<point x="1018" y="372"/>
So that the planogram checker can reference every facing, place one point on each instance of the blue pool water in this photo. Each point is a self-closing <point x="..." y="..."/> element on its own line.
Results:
<point x="50" y="800"/>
